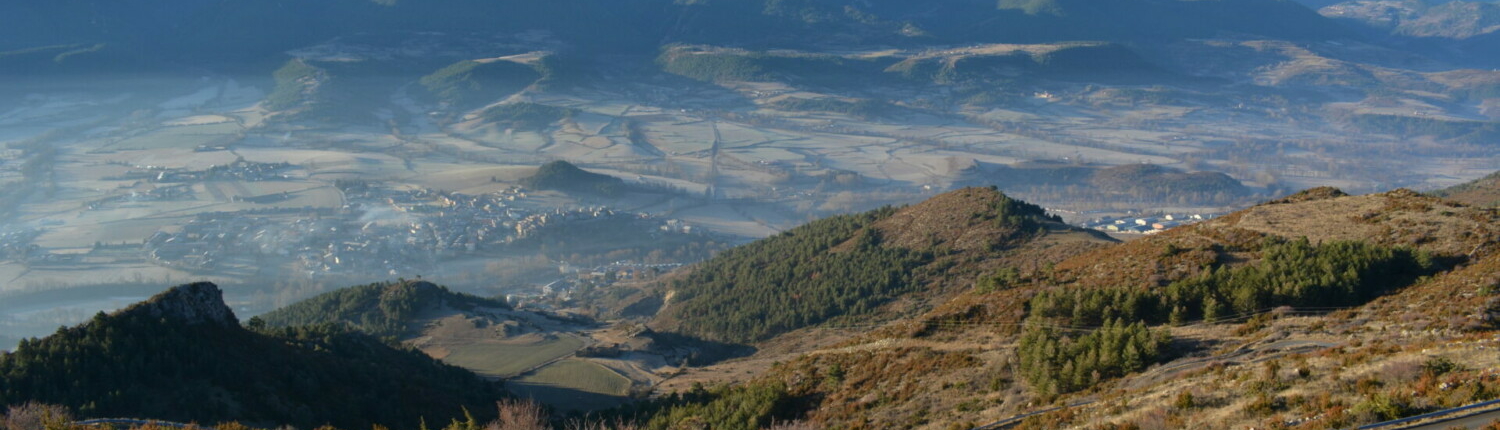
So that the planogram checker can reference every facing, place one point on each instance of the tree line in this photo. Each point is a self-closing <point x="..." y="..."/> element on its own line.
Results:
<point x="1058" y="359"/>
<point x="1288" y="273"/>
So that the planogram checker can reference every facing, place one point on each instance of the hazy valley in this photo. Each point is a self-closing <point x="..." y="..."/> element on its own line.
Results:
<point x="860" y="214"/>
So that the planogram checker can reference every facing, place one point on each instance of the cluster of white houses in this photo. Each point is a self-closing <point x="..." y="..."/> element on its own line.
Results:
<point x="378" y="229"/>
<point x="1145" y="224"/>
<point x="237" y="170"/>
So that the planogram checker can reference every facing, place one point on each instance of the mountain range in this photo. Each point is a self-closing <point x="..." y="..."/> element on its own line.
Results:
<point x="145" y="34"/>
<point x="967" y="308"/>
<point x="984" y="296"/>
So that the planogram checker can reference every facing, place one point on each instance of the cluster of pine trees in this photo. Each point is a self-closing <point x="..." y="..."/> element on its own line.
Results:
<point x="1058" y="361"/>
<point x="1018" y="215"/>
<point x="745" y="407"/>
<point x="1288" y="273"/>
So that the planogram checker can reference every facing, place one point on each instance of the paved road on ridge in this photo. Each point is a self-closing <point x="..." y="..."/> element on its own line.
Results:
<point x="1472" y="422"/>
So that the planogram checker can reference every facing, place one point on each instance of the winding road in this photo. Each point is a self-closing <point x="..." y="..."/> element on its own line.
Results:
<point x="1471" y="417"/>
<point x="1469" y="422"/>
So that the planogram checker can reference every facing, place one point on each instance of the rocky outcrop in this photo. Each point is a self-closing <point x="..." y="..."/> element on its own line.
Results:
<point x="196" y="303"/>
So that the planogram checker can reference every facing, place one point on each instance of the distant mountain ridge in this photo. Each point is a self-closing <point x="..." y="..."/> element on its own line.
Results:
<point x="181" y="356"/>
<point x="1421" y="18"/>
<point x="1460" y="31"/>
<point x="1028" y="21"/>
<point x="141" y="33"/>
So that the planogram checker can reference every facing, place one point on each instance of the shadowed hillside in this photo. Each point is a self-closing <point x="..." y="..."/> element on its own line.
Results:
<point x="564" y="176"/>
<point x="182" y="356"/>
<point x="468" y="84"/>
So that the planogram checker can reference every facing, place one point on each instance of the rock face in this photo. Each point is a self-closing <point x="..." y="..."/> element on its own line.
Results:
<point x="196" y="303"/>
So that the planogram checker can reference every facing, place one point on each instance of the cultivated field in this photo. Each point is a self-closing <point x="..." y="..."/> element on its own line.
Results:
<point x="574" y="384"/>
<point x="507" y="359"/>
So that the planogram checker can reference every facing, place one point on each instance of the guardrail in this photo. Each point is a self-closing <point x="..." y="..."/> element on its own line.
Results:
<point x="133" y="422"/>
<point x="1016" y="419"/>
<point x="1415" y="418"/>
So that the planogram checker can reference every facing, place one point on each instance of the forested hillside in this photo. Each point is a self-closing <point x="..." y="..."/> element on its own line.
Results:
<point x="793" y="280"/>
<point x="1119" y="324"/>
<point x="385" y="310"/>
<point x="182" y="356"/>
<point x="847" y="266"/>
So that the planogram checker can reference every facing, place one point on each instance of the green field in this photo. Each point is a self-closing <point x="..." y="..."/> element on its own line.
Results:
<point x="180" y="137"/>
<point x="506" y="360"/>
<point x="574" y="385"/>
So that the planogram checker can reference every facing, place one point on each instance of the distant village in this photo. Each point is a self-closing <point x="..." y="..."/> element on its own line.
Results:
<point x="574" y="278"/>
<point x="239" y="169"/>
<point x="1145" y="224"/>
<point x="376" y="229"/>
<point x="380" y="230"/>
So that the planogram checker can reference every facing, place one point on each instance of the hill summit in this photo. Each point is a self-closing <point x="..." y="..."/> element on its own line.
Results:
<point x="385" y="309"/>
<point x="196" y="303"/>
<point x="862" y="267"/>
<point x="564" y="176"/>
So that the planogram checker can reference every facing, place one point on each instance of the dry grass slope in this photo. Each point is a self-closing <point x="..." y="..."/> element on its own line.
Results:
<point x="1388" y="356"/>
<point x="1481" y="192"/>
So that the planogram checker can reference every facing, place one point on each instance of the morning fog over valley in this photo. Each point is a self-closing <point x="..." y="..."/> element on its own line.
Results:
<point x="745" y="214"/>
